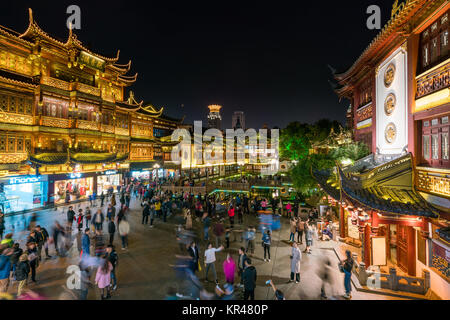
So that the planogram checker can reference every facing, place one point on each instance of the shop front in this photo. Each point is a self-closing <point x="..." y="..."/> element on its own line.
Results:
<point x="73" y="187"/>
<point x="108" y="181"/>
<point x="24" y="193"/>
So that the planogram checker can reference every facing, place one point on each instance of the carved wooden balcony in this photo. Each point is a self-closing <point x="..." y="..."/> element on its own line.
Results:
<point x="433" y="81"/>
<point x="435" y="181"/>
<point x="87" y="125"/>
<point x="122" y="131"/>
<point x="107" y="128"/>
<point x="13" y="157"/>
<point x="56" y="83"/>
<point x="55" y="122"/>
<point x="16" y="118"/>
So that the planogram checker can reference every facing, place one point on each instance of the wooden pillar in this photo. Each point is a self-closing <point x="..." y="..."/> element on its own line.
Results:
<point x="341" y="221"/>
<point x="374" y="219"/>
<point x="367" y="245"/>
<point x="411" y="251"/>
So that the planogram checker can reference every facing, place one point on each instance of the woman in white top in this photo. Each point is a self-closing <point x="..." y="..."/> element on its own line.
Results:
<point x="210" y="259"/>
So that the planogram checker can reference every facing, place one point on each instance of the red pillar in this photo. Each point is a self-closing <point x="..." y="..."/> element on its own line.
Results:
<point x="411" y="233"/>
<point x="341" y="221"/>
<point x="367" y="245"/>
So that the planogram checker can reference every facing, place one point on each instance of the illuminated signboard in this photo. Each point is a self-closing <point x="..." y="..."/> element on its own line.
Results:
<point x="25" y="179"/>
<point x="75" y="175"/>
<point x="108" y="172"/>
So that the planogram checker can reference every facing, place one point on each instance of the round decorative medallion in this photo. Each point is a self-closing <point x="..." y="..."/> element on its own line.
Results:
<point x="389" y="75"/>
<point x="390" y="133"/>
<point x="389" y="104"/>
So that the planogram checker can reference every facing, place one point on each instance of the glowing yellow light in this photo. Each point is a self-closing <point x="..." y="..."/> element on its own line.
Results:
<point x="433" y="100"/>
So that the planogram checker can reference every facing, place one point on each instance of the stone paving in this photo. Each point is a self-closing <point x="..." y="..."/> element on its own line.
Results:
<point x="144" y="270"/>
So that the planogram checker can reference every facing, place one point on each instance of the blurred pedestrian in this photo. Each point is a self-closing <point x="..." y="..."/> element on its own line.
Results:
<point x="103" y="279"/>
<point x="5" y="267"/>
<point x="266" y="242"/>
<point x="296" y="257"/>
<point x="111" y="231"/>
<point x="249" y="278"/>
<point x="33" y="259"/>
<point x="346" y="267"/>
<point x="229" y="269"/>
<point x="86" y="243"/>
<point x="112" y="257"/>
<point x="21" y="274"/>
<point x="210" y="259"/>
<point x="98" y="220"/>
<point x="124" y="230"/>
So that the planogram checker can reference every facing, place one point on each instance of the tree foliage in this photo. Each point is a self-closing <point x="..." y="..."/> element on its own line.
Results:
<point x="296" y="141"/>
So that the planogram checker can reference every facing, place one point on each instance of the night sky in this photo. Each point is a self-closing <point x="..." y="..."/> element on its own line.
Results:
<point x="268" y="59"/>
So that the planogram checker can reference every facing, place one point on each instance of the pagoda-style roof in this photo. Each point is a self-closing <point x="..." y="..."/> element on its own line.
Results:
<point x="34" y="31"/>
<point x="387" y="188"/>
<point x="405" y="17"/>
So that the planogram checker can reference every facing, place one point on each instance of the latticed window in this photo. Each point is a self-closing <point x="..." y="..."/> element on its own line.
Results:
<point x="20" y="105"/>
<point x="28" y="145"/>
<point x="29" y="106"/>
<point x="435" y="146"/>
<point x="20" y="144"/>
<point x="2" y="143"/>
<point x="4" y="102"/>
<point x="12" y="104"/>
<point x="426" y="147"/>
<point x="444" y="146"/>
<point x="11" y="144"/>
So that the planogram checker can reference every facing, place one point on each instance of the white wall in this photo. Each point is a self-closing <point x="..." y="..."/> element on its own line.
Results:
<point x="399" y="117"/>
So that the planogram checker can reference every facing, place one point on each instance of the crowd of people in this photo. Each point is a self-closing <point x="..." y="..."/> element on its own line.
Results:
<point x="210" y="222"/>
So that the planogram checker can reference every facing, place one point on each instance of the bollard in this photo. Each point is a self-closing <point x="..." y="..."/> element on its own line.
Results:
<point x="426" y="284"/>
<point x="393" y="279"/>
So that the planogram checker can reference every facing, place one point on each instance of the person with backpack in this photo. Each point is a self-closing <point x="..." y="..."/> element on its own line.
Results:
<point x="21" y="274"/>
<point x="42" y="237"/>
<point x="346" y="267"/>
<point x="266" y="242"/>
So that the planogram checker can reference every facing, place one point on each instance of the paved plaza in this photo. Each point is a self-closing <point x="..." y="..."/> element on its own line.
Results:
<point x="145" y="271"/>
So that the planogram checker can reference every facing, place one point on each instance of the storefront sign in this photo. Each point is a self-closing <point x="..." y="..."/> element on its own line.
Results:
<point x="139" y="173"/>
<point x="75" y="175"/>
<point x="26" y="179"/>
<point x="108" y="172"/>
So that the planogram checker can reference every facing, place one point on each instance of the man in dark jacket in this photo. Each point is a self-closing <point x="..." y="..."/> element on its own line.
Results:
<point x="241" y="264"/>
<point x="42" y="237"/>
<point x="5" y="267"/>
<point x="17" y="252"/>
<point x="70" y="215"/>
<point x="193" y="252"/>
<point x="111" y="256"/>
<point x="21" y="273"/>
<point x="86" y="243"/>
<point x="249" y="277"/>
<point x="111" y="231"/>
<point x="145" y="213"/>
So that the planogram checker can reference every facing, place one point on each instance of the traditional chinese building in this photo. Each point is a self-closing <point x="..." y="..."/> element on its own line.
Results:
<point x="66" y="129"/>
<point x="394" y="204"/>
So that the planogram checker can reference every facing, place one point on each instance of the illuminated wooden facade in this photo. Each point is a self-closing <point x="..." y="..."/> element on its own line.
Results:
<point x="63" y="109"/>
<point x="404" y="69"/>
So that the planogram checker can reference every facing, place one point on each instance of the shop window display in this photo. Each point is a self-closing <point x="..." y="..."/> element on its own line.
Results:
<point x="26" y="196"/>
<point x="108" y="182"/>
<point x="73" y="189"/>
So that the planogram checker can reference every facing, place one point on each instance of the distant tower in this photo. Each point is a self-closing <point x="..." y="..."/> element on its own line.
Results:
<point x="214" y="117"/>
<point x="238" y="120"/>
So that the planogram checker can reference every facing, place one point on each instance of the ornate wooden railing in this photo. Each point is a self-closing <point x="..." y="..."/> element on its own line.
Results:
<point x="107" y="128"/>
<point x="434" y="181"/>
<point x="433" y="81"/>
<point x="122" y="131"/>
<point x="85" y="88"/>
<point x="87" y="125"/>
<point x="16" y="118"/>
<point x="55" y="122"/>
<point x="13" y="157"/>
<point x="57" y="83"/>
